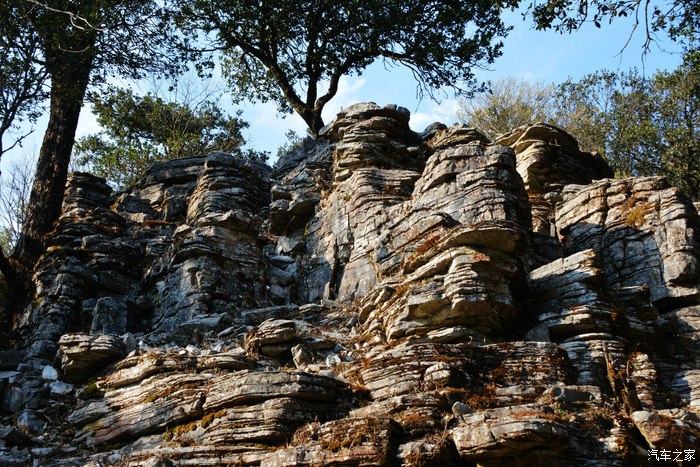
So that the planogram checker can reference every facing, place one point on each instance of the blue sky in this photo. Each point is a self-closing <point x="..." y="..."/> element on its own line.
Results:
<point x="533" y="55"/>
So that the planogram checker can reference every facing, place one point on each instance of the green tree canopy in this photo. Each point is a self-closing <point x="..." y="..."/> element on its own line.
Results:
<point x="294" y="53"/>
<point x="677" y="124"/>
<point x="140" y="130"/>
<point x="640" y="125"/>
<point x="583" y="108"/>
<point x="507" y="104"/>
<point x="22" y="77"/>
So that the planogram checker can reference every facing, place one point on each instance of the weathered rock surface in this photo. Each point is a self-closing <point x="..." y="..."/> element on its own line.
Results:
<point x="81" y="355"/>
<point x="549" y="159"/>
<point x="379" y="297"/>
<point x="647" y="231"/>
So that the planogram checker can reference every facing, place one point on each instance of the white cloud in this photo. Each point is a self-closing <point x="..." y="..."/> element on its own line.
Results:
<point x="267" y="130"/>
<point x="350" y="90"/>
<point x="445" y="112"/>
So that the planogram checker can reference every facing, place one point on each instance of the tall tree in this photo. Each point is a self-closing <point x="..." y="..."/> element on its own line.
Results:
<point x="76" y="43"/>
<point x="80" y="41"/>
<point x="612" y="113"/>
<point x="140" y="130"/>
<point x="294" y="53"/>
<point x="641" y="125"/>
<point x="632" y="144"/>
<point x="22" y="80"/>
<point x="507" y="104"/>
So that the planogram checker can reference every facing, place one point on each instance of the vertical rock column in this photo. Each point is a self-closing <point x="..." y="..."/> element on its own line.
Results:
<point x="215" y="264"/>
<point x="377" y="162"/>
<point x="568" y="299"/>
<point x="453" y="263"/>
<point x="334" y="224"/>
<point x="301" y="180"/>
<point x="78" y="267"/>
<point x="632" y="250"/>
<point x="645" y="232"/>
<point x="548" y="158"/>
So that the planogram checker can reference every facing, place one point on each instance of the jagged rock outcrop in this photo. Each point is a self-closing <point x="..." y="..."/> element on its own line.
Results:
<point x="548" y="160"/>
<point x="645" y="229"/>
<point x="379" y="297"/>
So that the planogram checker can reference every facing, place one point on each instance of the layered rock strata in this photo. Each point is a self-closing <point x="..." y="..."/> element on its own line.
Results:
<point x="379" y="297"/>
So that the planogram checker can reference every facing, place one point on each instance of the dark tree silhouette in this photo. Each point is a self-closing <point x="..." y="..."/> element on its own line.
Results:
<point x="295" y="52"/>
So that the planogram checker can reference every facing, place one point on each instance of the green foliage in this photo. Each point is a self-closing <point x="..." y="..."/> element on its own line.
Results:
<point x="22" y="78"/>
<point x="294" y="53"/>
<point x="294" y="141"/>
<point x="79" y="43"/>
<point x="642" y="126"/>
<point x="677" y="125"/>
<point x="127" y="38"/>
<point x="680" y="19"/>
<point x="140" y="130"/>
<point x="632" y="146"/>
<point x="506" y="105"/>
<point x="583" y="106"/>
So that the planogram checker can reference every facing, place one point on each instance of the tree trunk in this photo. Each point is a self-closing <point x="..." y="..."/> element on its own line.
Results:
<point x="68" y="87"/>
<point x="312" y="118"/>
<point x="13" y="297"/>
<point x="316" y="123"/>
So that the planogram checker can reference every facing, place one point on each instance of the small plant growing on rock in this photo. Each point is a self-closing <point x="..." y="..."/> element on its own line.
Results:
<point x="175" y="431"/>
<point x="416" y="421"/>
<point x="306" y="433"/>
<point x="636" y="212"/>
<point x="482" y="398"/>
<point x="209" y="418"/>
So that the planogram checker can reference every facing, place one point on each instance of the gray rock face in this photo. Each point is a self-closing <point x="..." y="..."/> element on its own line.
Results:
<point x="220" y="234"/>
<point x="647" y="231"/>
<point x="549" y="159"/>
<point x="82" y="355"/>
<point x="110" y="269"/>
<point x="375" y="163"/>
<point x="506" y="435"/>
<point x="379" y="297"/>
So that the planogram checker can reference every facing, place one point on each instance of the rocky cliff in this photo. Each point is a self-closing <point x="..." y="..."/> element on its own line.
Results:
<point x="379" y="297"/>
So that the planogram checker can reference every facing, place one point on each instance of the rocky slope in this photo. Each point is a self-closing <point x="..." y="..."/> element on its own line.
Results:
<point x="379" y="297"/>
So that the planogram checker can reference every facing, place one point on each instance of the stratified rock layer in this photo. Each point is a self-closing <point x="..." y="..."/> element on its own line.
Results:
<point x="379" y="297"/>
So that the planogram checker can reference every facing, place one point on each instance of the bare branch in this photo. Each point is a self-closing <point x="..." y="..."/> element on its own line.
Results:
<point x="76" y="21"/>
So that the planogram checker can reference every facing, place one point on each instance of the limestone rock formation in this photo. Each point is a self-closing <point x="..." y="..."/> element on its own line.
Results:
<point x="379" y="297"/>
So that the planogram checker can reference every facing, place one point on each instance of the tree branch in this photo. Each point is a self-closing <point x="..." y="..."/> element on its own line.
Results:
<point x="74" y="18"/>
